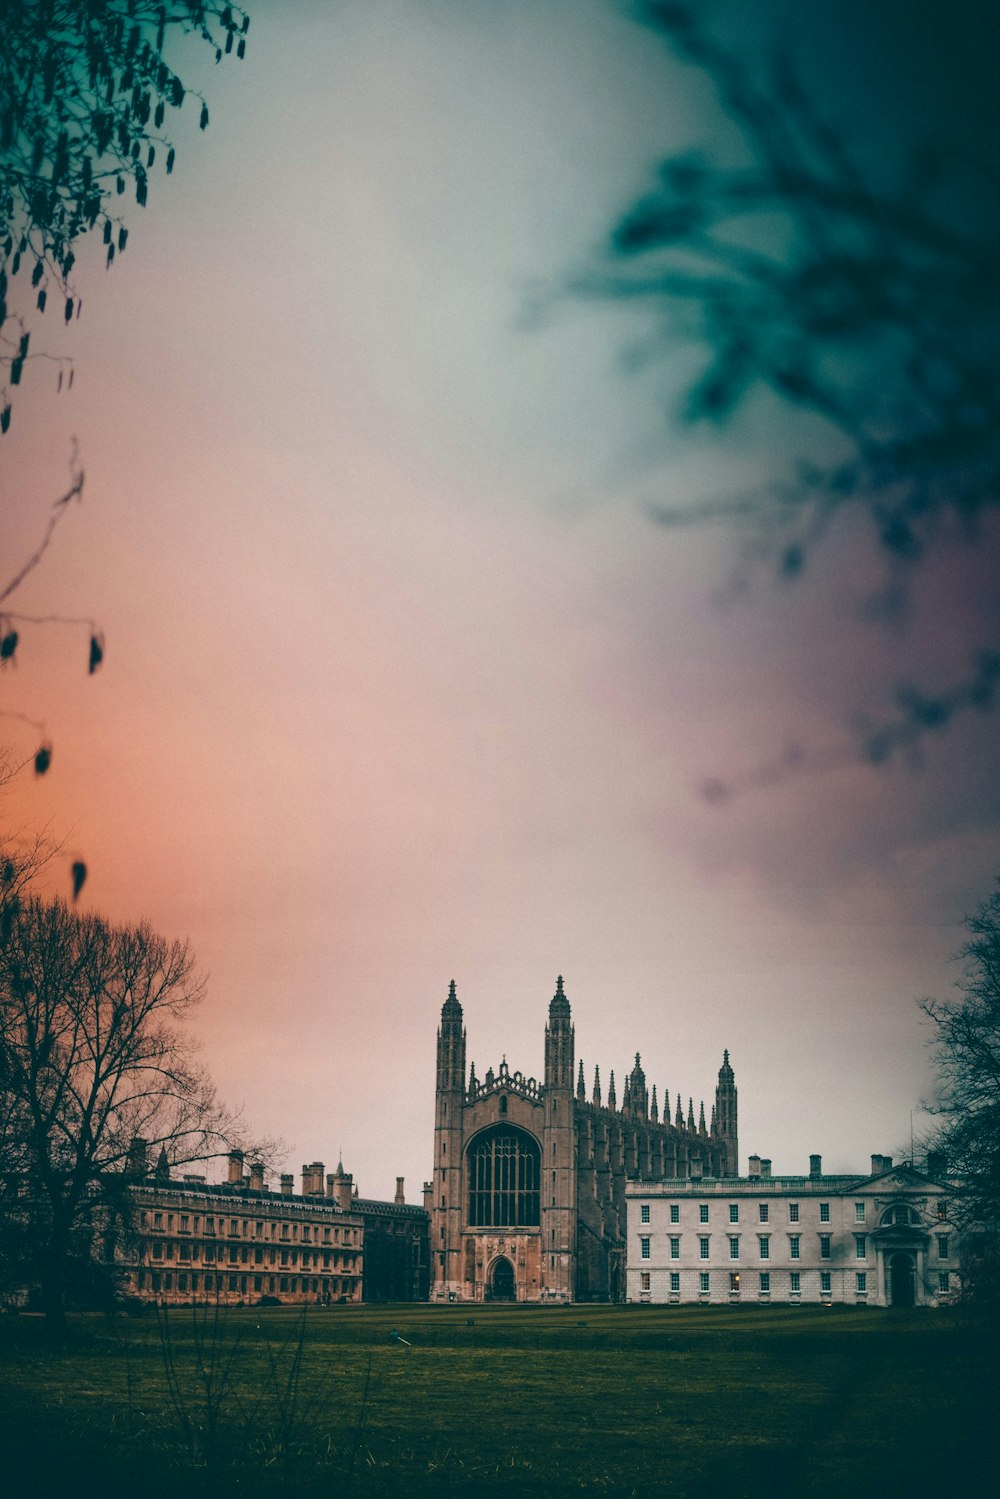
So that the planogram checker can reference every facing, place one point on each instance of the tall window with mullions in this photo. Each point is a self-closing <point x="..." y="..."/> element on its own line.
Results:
<point x="504" y="1166"/>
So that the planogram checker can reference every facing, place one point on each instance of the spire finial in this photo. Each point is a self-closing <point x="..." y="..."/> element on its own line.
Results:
<point x="560" y="1004"/>
<point x="451" y="1007"/>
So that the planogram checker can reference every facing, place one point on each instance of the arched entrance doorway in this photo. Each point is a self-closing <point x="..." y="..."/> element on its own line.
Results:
<point x="502" y="1284"/>
<point x="901" y="1287"/>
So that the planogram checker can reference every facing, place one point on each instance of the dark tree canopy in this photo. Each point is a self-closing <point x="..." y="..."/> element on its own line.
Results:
<point x="85" y="91"/>
<point x="795" y="271"/>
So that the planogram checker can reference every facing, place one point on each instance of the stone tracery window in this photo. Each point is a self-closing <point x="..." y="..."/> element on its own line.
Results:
<point x="504" y="1172"/>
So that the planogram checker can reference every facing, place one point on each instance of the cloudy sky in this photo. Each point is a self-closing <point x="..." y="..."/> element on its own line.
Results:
<point x="402" y="682"/>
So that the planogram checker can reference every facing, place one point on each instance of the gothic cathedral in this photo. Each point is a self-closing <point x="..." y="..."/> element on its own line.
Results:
<point x="528" y="1197"/>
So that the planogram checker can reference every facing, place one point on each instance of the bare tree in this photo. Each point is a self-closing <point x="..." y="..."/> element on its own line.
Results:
<point x="93" y="1055"/>
<point x="797" y="273"/>
<point x="967" y="1052"/>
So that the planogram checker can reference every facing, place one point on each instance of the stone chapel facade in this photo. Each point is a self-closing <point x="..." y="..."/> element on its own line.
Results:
<point x="527" y="1201"/>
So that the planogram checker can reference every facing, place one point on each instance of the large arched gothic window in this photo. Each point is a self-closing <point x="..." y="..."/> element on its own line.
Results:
<point x="504" y="1165"/>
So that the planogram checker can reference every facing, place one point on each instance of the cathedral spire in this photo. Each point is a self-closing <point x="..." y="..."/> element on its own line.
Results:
<point x="691" y="1115"/>
<point x="726" y="1116"/>
<point x="559" y="1042"/>
<point x="679" y="1121"/>
<point x="581" y="1086"/>
<point x="451" y="1045"/>
<point x="654" y="1112"/>
<point x="635" y="1091"/>
<point x="701" y="1119"/>
<point x="612" y="1100"/>
<point x="597" y="1087"/>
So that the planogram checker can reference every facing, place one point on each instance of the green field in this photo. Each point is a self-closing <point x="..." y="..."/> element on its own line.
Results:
<point x="603" y="1400"/>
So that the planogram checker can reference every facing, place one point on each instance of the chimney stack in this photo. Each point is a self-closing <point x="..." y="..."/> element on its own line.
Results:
<point x="287" y="1183"/>
<point x="428" y="1196"/>
<point x="312" y="1179"/>
<point x="815" y="1165"/>
<point x="765" y="1167"/>
<point x="753" y="1166"/>
<point x="256" y="1176"/>
<point x="235" y="1177"/>
<point x="400" y="1195"/>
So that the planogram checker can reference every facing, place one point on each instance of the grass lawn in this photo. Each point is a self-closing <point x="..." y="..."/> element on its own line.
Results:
<point x="608" y="1400"/>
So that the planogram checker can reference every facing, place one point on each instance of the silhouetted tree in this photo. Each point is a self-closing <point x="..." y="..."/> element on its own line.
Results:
<point x="801" y="275"/>
<point x="92" y="1056"/>
<point x="84" y="92"/>
<point x="967" y="1054"/>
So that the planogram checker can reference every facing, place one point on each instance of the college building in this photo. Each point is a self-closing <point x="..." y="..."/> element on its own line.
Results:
<point x="238" y="1242"/>
<point x="887" y="1238"/>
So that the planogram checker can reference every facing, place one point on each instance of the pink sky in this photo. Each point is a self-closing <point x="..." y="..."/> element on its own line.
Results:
<point x="402" y="684"/>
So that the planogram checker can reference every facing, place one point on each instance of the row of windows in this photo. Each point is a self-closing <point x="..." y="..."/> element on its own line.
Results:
<point x="764" y="1246"/>
<point x="900" y="1214"/>
<point x="764" y="1282"/>
<point x="155" y="1280"/>
<point x="185" y="1250"/>
<point x="245" y="1228"/>
<point x="763" y="1285"/>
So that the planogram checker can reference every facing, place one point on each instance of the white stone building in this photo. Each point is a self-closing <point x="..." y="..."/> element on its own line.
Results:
<point x="888" y="1238"/>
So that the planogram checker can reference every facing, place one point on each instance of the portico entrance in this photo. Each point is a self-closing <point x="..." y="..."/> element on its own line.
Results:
<point x="901" y="1280"/>
<point x="502" y="1285"/>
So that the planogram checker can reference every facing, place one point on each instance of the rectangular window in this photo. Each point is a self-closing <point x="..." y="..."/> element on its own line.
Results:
<point x="210" y="1225"/>
<point x="734" y="1212"/>
<point x="675" y="1212"/>
<point x="643" y="1212"/>
<point x="824" y="1246"/>
<point x="675" y="1248"/>
<point x="675" y="1280"/>
<point x="765" y="1282"/>
<point x="860" y="1247"/>
<point x="942" y="1280"/>
<point x="703" y="1212"/>
<point x="734" y="1282"/>
<point x="643" y="1280"/>
<point x="703" y="1282"/>
<point x="794" y="1282"/>
<point x="859" y="1212"/>
<point x="793" y="1246"/>
<point x="942" y="1211"/>
<point x="644" y="1246"/>
<point x="861" y="1282"/>
<point x="157" y="1220"/>
<point x="793" y="1212"/>
<point x="734" y="1246"/>
<point x="942" y="1243"/>
<point x="824" y="1212"/>
<point x="825" y="1282"/>
<point x="703" y="1247"/>
<point x="763" y="1211"/>
<point x="764" y="1240"/>
<point x="185" y="1223"/>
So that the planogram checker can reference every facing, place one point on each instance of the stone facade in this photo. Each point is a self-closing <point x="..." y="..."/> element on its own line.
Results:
<point x="888" y="1238"/>
<point x="527" y="1200"/>
<point x="238" y="1242"/>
